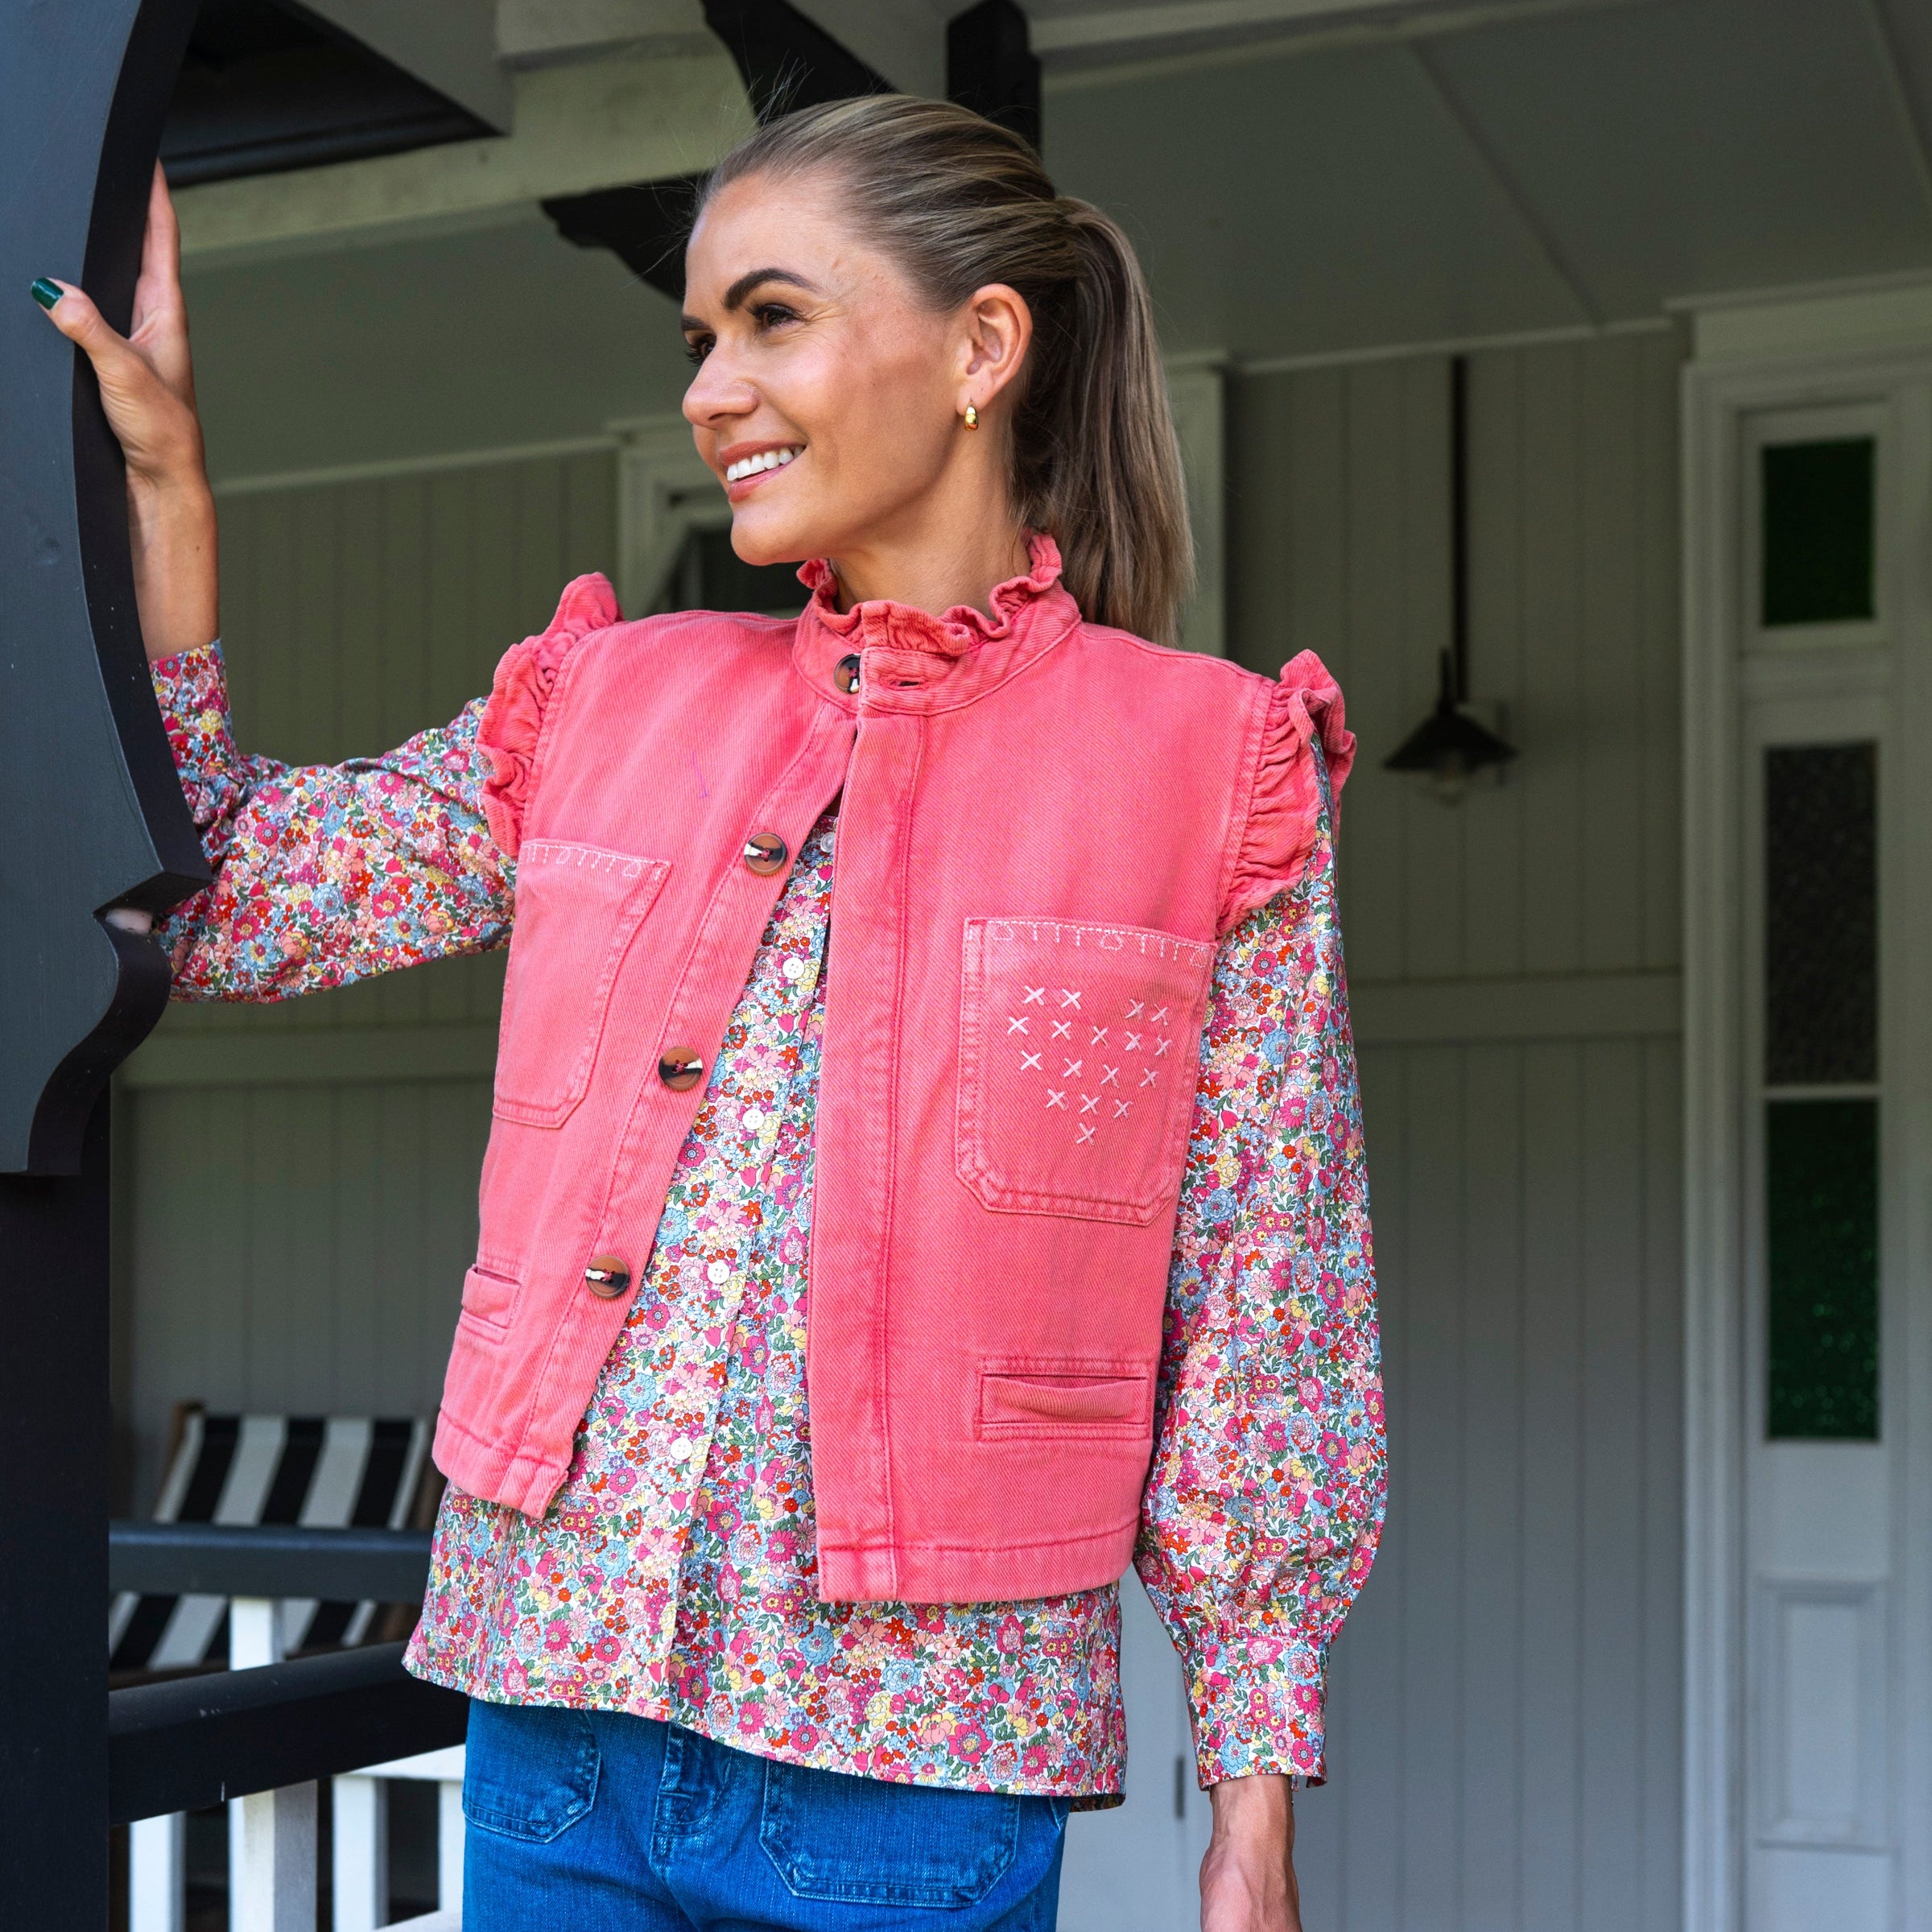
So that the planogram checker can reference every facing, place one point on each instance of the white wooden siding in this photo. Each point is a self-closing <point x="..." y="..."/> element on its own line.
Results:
<point x="1505" y="1711"/>
<point x="1339" y="529"/>
<point x="299" y="1243"/>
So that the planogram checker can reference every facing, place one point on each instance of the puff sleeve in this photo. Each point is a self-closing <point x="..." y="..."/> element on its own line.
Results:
<point x="511" y="733"/>
<point x="1286" y="799"/>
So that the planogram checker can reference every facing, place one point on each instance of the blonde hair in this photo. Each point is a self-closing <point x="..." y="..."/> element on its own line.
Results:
<point x="959" y="201"/>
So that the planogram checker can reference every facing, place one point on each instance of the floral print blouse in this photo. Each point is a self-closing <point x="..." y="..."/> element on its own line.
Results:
<point x="688" y="1592"/>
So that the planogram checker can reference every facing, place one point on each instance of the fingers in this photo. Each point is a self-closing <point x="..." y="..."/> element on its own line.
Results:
<point x="156" y="427"/>
<point x="73" y="313"/>
<point x="160" y="278"/>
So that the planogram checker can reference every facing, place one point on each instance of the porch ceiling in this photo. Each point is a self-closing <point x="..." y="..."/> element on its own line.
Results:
<point x="1305" y="177"/>
<point x="1582" y="166"/>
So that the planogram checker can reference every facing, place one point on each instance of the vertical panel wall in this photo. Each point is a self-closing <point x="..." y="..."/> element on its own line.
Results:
<point x="1505" y="1715"/>
<point x="298" y="1180"/>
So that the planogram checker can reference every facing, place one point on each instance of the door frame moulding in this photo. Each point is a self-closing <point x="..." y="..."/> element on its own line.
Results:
<point x="1721" y="391"/>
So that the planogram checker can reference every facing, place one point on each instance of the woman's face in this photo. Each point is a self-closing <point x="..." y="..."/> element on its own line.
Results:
<point x="827" y="397"/>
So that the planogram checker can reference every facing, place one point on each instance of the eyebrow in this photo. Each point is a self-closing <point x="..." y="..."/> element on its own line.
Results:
<point x="735" y="294"/>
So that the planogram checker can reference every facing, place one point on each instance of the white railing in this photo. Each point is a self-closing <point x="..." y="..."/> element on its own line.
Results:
<point x="272" y="1836"/>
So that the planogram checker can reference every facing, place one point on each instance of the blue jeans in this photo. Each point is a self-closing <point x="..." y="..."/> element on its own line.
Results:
<point x="595" y="1822"/>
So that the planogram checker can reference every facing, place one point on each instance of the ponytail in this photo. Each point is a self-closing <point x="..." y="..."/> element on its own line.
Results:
<point x="960" y="202"/>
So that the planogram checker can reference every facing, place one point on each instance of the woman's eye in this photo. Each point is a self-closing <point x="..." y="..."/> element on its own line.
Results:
<point x="771" y="314"/>
<point x="696" y="348"/>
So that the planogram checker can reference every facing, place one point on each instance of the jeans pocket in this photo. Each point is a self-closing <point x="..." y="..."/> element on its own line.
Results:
<point x="530" y="1772"/>
<point x="862" y="1841"/>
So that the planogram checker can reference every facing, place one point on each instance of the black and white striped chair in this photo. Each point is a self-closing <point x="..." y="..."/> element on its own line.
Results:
<point x="324" y="1472"/>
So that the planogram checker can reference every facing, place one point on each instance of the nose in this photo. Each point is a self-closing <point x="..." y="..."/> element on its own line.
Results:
<point x="717" y="395"/>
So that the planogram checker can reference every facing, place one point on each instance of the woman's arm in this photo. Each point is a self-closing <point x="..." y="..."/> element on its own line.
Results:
<point x="1265" y="1495"/>
<point x="323" y="874"/>
<point x="326" y="873"/>
<point x="147" y="387"/>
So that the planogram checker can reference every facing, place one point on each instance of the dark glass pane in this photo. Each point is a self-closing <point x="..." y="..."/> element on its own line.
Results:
<point x="1818" y="531"/>
<point x="1821" y="1211"/>
<point x="1821" y="913"/>
<point x="730" y="583"/>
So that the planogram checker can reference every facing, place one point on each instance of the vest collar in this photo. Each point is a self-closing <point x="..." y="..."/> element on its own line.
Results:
<point x="911" y="661"/>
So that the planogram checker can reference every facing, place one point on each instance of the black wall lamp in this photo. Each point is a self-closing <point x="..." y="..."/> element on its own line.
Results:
<point x="1450" y="745"/>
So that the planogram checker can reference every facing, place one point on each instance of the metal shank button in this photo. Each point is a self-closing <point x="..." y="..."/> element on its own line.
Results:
<point x="607" y="1276"/>
<point x="680" y="1068"/>
<point x="765" y="853"/>
<point x="846" y="677"/>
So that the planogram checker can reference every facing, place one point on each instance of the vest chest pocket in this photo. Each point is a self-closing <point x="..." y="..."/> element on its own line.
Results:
<point x="578" y="909"/>
<point x="1079" y="1047"/>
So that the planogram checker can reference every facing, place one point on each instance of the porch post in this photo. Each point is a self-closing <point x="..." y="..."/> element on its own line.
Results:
<point x="90" y="821"/>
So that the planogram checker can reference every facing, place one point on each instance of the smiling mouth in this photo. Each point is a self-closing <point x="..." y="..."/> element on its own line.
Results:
<point x="764" y="460"/>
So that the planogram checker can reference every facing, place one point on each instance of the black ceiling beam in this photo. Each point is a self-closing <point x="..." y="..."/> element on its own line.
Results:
<point x="786" y="61"/>
<point x="267" y="86"/>
<point x="991" y="68"/>
<point x="644" y="226"/>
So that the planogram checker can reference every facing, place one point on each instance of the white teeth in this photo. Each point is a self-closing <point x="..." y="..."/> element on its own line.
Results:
<point x="765" y="459"/>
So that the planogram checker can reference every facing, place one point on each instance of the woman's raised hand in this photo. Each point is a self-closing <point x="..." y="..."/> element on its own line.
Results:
<point x="147" y="387"/>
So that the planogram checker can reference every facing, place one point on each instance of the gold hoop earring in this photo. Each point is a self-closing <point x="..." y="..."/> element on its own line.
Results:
<point x="971" y="417"/>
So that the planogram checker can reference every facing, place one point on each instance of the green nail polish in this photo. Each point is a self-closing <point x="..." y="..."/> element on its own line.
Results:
<point x="44" y="292"/>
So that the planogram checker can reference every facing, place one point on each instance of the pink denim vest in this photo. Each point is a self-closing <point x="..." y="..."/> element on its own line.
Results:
<point x="1044" y="826"/>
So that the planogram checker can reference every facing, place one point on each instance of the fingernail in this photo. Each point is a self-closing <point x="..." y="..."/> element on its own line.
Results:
<point x="44" y="292"/>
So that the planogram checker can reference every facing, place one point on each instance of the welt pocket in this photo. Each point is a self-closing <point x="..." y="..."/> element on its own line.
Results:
<point x="488" y="1300"/>
<point x="1034" y="1397"/>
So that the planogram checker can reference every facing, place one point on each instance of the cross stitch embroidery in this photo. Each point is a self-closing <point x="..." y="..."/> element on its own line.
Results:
<point x="1120" y="1109"/>
<point x="1109" y="1076"/>
<point x="1089" y="1103"/>
<point x="1133" y="1042"/>
<point x="1068" y="997"/>
<point x="1016" y="1022"/>
<point x="1036" y="995"/>
<point x="1161" y="1046"/>
<point x="1062" y="1030"/>
<point x="1070" y="1070"/>
<point x="1030" y="1059"/>
<point x="1135" y="1009"/>
<point x="1146" y="1077"/>
<point x="1056" y="1097"/>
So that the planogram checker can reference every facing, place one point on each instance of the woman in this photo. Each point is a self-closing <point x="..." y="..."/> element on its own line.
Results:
<point x="1061" y="1131"/>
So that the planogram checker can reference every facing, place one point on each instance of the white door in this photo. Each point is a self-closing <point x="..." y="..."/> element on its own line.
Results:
<point x="1824" y="1744"/>
<point x="1136" y="1868"/>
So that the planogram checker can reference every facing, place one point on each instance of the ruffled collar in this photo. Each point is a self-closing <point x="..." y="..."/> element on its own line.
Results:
<point x="910" y="660"/>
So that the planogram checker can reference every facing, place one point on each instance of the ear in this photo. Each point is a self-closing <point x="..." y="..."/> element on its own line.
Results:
<point x="998" y="328"/>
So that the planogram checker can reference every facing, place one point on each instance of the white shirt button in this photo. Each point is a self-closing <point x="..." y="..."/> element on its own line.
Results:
<point x="754" y="1118"/>
<point x="681" y="1450"/>
<point x="719" y="1272"/>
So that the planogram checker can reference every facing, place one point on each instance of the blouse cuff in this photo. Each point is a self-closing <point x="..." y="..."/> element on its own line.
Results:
<point x="192" y="689"/>
<point x="1258" y="1704"/>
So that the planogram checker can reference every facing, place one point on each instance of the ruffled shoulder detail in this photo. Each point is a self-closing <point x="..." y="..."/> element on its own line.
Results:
<point x="1286" y="805"/>
<point x="512" y="719"/>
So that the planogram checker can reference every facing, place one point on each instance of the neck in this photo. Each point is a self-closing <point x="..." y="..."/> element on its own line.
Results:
<point x="949" y="559"/>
